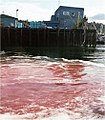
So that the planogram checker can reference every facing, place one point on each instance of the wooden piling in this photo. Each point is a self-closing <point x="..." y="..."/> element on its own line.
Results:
<point x="46" y="39"/>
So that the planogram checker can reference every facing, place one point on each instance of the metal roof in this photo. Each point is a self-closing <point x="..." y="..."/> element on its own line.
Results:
<point x="66" y="7"/>
<point x="7" y="16"/>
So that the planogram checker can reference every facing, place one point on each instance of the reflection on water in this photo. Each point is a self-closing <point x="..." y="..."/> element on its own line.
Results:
<point x="98" y="56"/>
<point x="42" y="88"/>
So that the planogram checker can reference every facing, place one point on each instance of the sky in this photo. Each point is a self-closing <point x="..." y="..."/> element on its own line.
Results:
<point x="39" y="10"/>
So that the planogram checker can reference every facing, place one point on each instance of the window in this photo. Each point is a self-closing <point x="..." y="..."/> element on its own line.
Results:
<point x="66" y="13"/>
<point x="73" y="14"/>
<point x="58" y="14"/>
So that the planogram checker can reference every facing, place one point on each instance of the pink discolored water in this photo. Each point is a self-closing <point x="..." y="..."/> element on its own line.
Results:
<point x="42" y="89"/>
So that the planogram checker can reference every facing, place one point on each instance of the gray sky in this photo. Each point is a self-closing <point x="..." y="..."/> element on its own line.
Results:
<point x="35" y="10"/>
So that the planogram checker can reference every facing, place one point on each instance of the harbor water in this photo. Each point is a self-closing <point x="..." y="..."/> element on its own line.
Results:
<point x="44" y="88"/>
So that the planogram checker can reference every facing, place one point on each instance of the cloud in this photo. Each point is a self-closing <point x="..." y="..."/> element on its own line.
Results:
<point x="98" y="17"/>
<point x="27" y="10"/>
<point x="20" y="1"/>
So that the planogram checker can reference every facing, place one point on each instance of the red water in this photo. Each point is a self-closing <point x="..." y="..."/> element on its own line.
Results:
<point x="43" y="88"/>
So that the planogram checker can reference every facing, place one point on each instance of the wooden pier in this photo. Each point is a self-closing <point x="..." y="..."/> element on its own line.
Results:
<point x="47" y="41"/>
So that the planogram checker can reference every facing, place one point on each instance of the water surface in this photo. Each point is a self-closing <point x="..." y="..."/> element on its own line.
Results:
<point x="44" y="88"/>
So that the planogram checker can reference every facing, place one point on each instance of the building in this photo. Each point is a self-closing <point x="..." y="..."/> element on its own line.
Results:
<point x="37" y="24"/>
<point x="8" y="21"/>
<point x="23" y="24"/>
<point x="52" y="24"/>
<point x="67" y="17"/>
<point x="32" y="24"/>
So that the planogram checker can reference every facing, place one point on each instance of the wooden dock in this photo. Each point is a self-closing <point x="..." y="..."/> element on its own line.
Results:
<point x="46" y="41"/>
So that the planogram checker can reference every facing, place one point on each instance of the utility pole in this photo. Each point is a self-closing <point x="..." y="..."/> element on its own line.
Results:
<point x="16" y="22"/>
<point x="17" y="13"/>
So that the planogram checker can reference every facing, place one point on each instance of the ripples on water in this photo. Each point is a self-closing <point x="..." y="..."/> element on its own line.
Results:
<point x="43" y="88"/>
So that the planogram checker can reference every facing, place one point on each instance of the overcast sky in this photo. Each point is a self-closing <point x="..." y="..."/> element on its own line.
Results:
<point x="36" y="10"/>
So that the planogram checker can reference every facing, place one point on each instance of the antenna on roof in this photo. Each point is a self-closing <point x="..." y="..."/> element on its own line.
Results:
<point x="59" y="2"/>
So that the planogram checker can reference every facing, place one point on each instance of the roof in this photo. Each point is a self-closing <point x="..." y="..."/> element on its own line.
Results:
<point x="3" y="15"/>
<point x="66" y="7"/>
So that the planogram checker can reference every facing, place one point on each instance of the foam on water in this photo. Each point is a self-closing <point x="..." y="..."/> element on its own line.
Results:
<point x="84" y="62"/>
<point x="43" y="88"/>
<point x="60" y="114"/>
<point x="8" y="116"/>
<point x="102" y="98"/>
